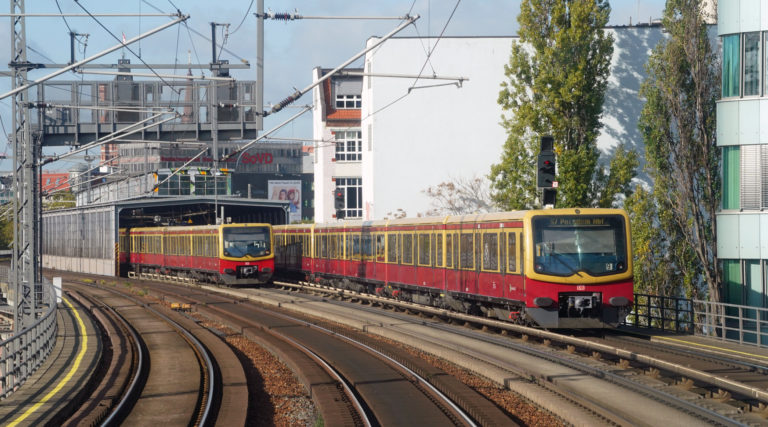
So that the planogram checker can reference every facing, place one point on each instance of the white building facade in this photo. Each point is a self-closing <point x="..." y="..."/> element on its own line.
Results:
<point x="338" y="145"/>
<point x="418" y="134"/>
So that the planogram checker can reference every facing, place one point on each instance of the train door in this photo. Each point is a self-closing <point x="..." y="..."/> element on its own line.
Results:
<point x="393" y="256"/>
<point x="452" y="271"/>
<point x="467" y="261"/>
<point x="490" y="281"/>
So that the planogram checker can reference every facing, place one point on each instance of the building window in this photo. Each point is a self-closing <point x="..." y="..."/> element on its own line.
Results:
<point x="765" y="65"/>
<point x="731" y="160"/>
<point x="349" y="146"/>
<point x="750" y="177"/>
<point x="752" y="64"/>
<point x="731" y="68"/>
<point x="353" y="196"/>
<point x="349" y="101"/>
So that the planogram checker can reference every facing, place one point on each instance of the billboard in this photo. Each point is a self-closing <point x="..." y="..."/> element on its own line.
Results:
<point x="289" y="190"/>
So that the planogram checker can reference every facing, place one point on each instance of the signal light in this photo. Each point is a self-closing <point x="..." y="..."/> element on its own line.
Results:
<point x="338" y="202"/>
<point x="545" y="174"/>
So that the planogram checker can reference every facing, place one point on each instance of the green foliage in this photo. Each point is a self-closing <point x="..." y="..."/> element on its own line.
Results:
<point x="678" y="127"/>
<point x="557" y="77"/>
<point x="6" y="232"/>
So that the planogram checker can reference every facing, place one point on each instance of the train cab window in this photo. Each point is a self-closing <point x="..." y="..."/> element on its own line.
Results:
<point x="424" y="249"/>
<point x="407" y="253"/>
<point x="392" y="251"/>
<point x="491" y="251"/>
<point x="511" y="252"/>
<point x="380" y="248"/>
<point x="467" y="251"/>
<point x="439" y="250"/>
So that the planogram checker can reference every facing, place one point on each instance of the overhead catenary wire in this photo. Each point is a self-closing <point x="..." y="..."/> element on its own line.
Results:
<point x="126" y="44"/>
<point x="426" y="61"/>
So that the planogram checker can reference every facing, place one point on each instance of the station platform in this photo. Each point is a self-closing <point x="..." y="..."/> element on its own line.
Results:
<point x="712" y="345"/>
<point x="61" y="380"/>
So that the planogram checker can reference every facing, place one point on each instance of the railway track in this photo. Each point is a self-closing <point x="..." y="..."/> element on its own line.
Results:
<point x="592" y="378"/>
<point x="664" y="381"/>
<point x="387" y="391"/>
<point x="156" y="372"/>
<point x="353" y="380"/>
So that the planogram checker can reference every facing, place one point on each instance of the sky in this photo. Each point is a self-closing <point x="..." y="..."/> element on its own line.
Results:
<point x="292" y="49"/>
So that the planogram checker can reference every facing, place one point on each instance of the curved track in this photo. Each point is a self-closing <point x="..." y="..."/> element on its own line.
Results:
<point x="172" y="378"/>
<point x="388" y="392"/>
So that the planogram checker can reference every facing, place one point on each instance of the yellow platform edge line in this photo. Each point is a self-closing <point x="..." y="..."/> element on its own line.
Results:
<point x="742" y="353"/>
<point x="69" y="375"/>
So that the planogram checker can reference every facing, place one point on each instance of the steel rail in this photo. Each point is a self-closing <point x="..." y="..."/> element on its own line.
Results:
<point x="130" y="394"/>
<point x="649" y="391"/>
<point x="200" y="349"/>
<point x="421" y="380"/>
<point x="694" y="374"/>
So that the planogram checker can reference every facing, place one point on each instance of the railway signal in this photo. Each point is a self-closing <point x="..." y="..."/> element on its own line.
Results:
<point x="545" y="171"/>
<point x="338" y="202"/>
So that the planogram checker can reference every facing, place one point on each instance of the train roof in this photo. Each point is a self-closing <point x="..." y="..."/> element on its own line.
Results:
<point x="454" y="219"/>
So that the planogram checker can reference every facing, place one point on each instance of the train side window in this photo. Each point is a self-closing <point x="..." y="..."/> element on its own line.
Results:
<point x="439" y="250"/>
<point x="407" y="255"/>
<point x="380" y="248"/>
<point x="324" y="246"/>
<point x="448" y="250"/>
<point x="333" y="252"/>
<point x="467" y="251"/>
<point x="424" y="249"/>
<point x="367" y="246"/>
<point x="512" y="252"/>
<point x="491" y="251"/>
<point x="392" y="251"/>
<point x="356" y="246"/>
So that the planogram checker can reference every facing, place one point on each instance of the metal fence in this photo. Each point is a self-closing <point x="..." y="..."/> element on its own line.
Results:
<point x="728" y="322"/>
<point x="23" y="353"/>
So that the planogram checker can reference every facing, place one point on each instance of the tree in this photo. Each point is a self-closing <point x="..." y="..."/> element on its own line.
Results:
<point x="459" y="196"/>
<point x="557" y="77"/>
<point x="678" y="127"/>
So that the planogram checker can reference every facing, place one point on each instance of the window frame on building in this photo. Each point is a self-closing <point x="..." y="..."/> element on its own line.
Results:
<point x="348" y="102"/>
<point x="744" y="65"/>
<point x="349" y="145"/>
<point x="353" y="195"/>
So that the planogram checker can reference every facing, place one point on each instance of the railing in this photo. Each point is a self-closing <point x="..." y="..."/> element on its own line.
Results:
<point x="728" y="322"/>
<point x="23" y="353"/>
<point x="659" y="312"/>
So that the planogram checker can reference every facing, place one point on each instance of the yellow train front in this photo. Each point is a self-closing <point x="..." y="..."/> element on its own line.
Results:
<point x="227" y="254"/>
<point x="578" y="267"/>
<point x="559" y="268"/>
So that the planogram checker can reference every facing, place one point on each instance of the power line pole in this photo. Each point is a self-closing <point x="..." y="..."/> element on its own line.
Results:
<point x="25" y="263"/>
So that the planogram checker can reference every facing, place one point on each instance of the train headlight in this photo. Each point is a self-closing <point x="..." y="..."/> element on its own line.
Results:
<point x="543" y="301"/>
<point x="229" y="270"/>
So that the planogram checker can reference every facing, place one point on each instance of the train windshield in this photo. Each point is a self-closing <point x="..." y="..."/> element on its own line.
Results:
<point x="246" y="241"/>
<point x="569" y="244"/>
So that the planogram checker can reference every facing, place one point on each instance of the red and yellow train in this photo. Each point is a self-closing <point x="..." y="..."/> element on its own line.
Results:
<point x="226" y="254"/>
<point x="558" y="268"/>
